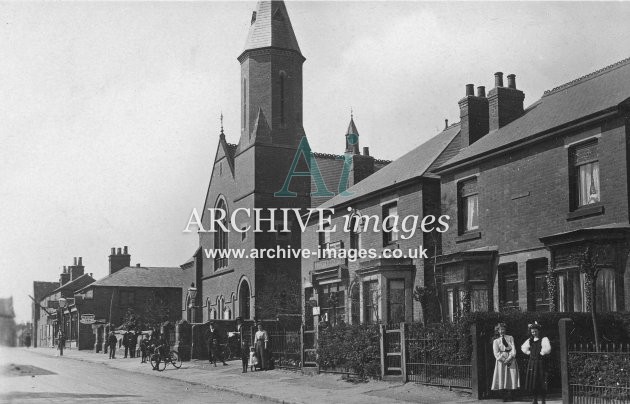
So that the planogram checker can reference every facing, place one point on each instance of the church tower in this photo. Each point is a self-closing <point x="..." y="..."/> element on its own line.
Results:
<point x="271" y="79"/>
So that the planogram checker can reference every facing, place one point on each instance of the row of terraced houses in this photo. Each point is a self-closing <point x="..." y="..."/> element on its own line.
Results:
<point x="525" y="189"/>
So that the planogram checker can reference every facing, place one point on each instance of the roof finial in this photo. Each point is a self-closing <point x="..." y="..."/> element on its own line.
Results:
<point x="222" y="123"/>
<point x="351" y="113"/>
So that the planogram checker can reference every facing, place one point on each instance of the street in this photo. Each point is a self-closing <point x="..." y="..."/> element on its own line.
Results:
<point x="29" y="377"/>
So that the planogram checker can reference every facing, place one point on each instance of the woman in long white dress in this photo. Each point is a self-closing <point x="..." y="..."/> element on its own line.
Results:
<point x="505" y="368"/>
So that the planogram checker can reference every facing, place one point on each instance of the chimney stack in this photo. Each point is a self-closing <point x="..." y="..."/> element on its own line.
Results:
<point x="473" y="111"/>
<point x="64" y="276"/>
<point x="498" y="79"/>
<point x="445" y="123"/>
<point x="505" y="103"/>
<point x="366" y="151"/>
<point x="77" y="269"/>
<point x="118" y="260"/>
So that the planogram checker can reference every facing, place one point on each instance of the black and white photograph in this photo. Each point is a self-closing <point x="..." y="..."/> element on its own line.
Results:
<point x="315" y="202"/>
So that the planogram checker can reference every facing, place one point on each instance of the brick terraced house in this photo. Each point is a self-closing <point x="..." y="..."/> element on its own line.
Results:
<point x="531" y="189"/>
<point x="371" y="289"/>
<point x="247" y="175"/>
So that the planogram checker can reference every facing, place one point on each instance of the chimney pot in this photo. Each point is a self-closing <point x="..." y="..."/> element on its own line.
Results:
<point x="481" y="91"/>
<point x="445" y="123"/>
<point x="65" y="269"/>
<point x="498" y="79"/>
<point x="125" y="250"/>
<point x="119" y="252"/>
<point x="366" y="151"/>
<point x="470" y="89"/>
<point x="113" y="251"/>
<point x="75" y="261"/>
<point x="138" y="265"/>
<point x="80" y="261"/>
<point x="511" y="81"/>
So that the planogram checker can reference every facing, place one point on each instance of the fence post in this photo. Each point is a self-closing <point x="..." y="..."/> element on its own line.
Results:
<point x="478" y="370"/>
<point x="382" y="330"/>
<point x="563" y="327"/>
<point x="403" y="352"/>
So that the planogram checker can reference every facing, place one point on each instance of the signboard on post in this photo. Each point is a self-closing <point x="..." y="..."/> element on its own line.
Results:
<point x="87" y="319"/>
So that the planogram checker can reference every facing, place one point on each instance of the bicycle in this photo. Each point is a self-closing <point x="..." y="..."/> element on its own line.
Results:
<point x="159" y="361"/>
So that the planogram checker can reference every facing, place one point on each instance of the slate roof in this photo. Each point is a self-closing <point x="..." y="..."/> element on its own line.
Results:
<point x="75" y="284"/>
<point x="145" y="277"/>
<point x="412" y="165"/>
<point x="6" y="308"/>
<point x="588" y="95"/>
<point x="271" y="27"/>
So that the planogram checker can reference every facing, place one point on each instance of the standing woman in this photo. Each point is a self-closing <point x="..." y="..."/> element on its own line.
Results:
<point x="538" y="349"/>
<point x="261" y="340"/>
<point x="505" y="369"/>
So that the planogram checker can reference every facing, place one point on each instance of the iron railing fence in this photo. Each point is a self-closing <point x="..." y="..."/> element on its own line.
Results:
<point x="435" y="361"/>
<point x="613" y="387"/>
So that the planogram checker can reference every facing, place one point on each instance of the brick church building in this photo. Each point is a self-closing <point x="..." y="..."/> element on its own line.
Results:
<point x="246" y="175"/>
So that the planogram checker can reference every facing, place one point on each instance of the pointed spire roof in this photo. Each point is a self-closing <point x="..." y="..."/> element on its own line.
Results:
<point x="352" y="128"/>
<point x="352" y="137"/>
<point x="271" y="27"/>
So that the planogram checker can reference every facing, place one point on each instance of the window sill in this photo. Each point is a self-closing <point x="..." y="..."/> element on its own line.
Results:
<point x="473" y="235"/>
<point x="585" y="211"/>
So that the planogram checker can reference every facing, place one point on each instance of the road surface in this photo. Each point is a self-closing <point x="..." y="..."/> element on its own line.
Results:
<point x="28" y="377"/>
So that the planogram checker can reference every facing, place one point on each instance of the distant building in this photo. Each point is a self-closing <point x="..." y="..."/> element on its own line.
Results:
<point x="52" y="317"/>
<point x="40" y="290"/>
<point x="7" y="322"/>
<point x="152" y="294"/>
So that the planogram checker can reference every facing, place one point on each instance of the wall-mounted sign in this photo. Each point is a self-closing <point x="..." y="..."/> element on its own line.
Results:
<point x="316" y="311"/>
<point x="87" y="319"/>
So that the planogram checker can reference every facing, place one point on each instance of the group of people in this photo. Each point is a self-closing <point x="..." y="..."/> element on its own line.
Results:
<point x="252" y="357"/>
<point x="506" y="374"/>
<point x="129" y="342"/>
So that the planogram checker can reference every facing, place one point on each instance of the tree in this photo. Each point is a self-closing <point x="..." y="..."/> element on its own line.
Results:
<point x="589" y="262"/>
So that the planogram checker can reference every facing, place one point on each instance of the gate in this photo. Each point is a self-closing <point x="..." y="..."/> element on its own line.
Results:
<point x="434" y="361"/>
<point x="393" y="347"/>
<point x="284" y="345"/>
<point x="309" y="348"/>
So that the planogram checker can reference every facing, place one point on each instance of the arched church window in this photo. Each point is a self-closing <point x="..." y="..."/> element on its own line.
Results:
<point x="282" y="97"/>
<point x="244" y="103"/>
<point x="221" y="237"/>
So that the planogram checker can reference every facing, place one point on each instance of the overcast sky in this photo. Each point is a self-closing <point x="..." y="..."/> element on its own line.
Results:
<point x="109" y="112"/>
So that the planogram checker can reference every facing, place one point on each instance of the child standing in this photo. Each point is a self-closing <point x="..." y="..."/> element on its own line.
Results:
<point x="253" y="360"/>
<point x="244" y="355"/>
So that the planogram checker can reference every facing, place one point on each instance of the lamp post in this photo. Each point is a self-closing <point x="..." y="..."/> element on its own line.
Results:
<point x="192" y="295"/>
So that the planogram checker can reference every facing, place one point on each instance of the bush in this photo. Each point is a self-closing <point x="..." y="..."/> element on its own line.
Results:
<point x="601" y="369"/>
<point x="352" y="348"/>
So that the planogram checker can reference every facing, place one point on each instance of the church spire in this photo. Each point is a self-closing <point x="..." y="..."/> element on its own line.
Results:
<point x="271" y="27"/>
<point x="271" y="80"/>
<point x="352" y="136"/>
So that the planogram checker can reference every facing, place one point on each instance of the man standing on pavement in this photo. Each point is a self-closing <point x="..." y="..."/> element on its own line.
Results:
<point x="111" y="342"/>
<point x="61" y="342"/>
<point x="133" y="341"/>
<point x="214" y="349"/>
<point x="125" y="342"/>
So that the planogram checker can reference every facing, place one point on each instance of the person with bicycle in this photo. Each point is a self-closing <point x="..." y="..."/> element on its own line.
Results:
<point x="161" y="350"/>
<point x="214" y="349"/>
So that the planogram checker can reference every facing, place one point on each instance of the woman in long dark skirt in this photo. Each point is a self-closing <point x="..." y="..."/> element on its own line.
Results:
<point x="537" y="349"/>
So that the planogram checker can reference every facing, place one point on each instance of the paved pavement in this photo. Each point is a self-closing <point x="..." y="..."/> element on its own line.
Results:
<point x="282" y="386"/>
